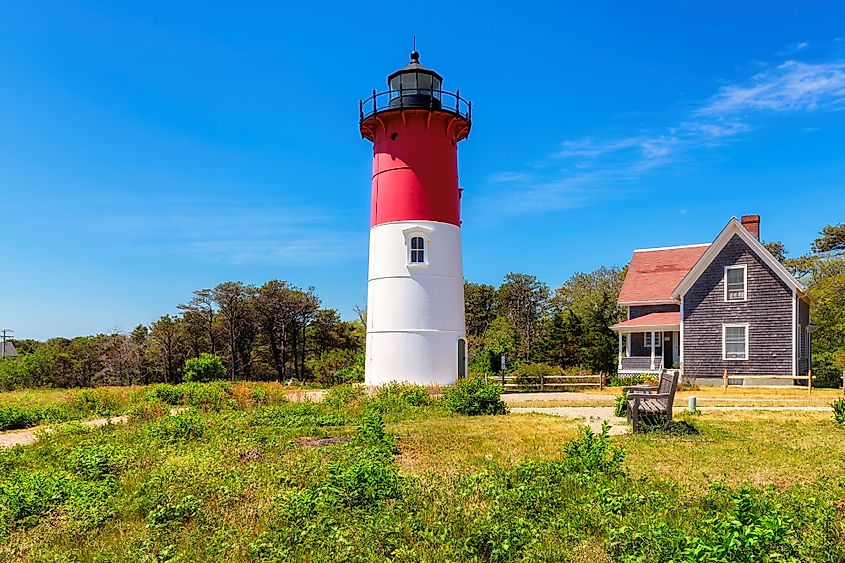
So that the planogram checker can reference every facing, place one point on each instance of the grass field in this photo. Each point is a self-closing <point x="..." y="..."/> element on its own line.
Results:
<point x="238" y="476"/>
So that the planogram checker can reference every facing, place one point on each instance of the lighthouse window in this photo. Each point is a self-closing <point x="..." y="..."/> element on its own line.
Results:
<point x="417" y="250"/>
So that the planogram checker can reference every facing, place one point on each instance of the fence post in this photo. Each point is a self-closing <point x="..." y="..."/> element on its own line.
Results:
<point x="601" y="381"/>
<point x="542" y="382"/>
<point x="810" y="381"/>
<point x="725" y="381"/>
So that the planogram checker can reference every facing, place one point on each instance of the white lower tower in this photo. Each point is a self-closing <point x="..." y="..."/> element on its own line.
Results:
<point x="415" y="304"/>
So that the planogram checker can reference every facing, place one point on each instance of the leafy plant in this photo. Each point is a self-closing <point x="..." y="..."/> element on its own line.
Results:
<point x="14" y="417"/>
<point x="178" y="427"/>
<point x="593" y="453"/>
<point x="343" y="395"/>
<point x="259" y="395"/>
<point x="839" y="410"/>
<point x="475" y="396"/>
<point x="620" y="405"/>
<point x="204" y="368"/>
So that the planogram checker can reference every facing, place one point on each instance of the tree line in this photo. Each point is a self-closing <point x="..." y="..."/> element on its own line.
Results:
<point x="277" y="331"/>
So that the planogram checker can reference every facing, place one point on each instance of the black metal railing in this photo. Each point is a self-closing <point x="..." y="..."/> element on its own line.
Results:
<point x="416" y="98"/>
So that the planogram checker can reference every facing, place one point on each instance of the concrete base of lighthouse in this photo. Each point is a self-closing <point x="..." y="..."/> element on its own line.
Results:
<point x="415" y="311"/>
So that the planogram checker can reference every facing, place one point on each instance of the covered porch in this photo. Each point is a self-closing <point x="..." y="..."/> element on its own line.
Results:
<point x="649" y="343"/>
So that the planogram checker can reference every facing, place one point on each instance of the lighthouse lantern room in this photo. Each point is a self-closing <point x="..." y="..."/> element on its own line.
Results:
<point x="415" y="293"/>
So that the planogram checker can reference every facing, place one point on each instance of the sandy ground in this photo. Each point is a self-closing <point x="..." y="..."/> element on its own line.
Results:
<point x="29" y="435"/>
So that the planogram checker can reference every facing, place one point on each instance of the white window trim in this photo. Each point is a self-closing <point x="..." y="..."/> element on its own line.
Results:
<point x="658" y="339"/>
<point x="744" y="268"/>
<point x="425" y="233"/>
<point x="724" y="341"/>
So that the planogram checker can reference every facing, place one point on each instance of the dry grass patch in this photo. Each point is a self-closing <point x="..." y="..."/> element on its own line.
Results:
<point x="466" y="444"/>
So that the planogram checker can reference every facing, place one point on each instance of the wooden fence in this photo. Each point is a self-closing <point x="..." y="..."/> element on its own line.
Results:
<point x="544" y="383"/>
<point x="726" y="379"/>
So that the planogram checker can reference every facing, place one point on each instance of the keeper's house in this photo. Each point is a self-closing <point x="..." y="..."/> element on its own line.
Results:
<point x="706" y="308"/>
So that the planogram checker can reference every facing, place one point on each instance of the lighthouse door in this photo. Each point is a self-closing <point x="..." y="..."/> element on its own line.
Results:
<point x="462" y="358"/>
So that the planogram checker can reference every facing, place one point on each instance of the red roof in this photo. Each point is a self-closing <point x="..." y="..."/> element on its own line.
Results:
<point x="654" y="273"/>
<point x="652" y="319"/>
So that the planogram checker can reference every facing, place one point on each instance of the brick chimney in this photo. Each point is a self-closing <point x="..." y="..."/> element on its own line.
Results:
<point x="752" y="223"/>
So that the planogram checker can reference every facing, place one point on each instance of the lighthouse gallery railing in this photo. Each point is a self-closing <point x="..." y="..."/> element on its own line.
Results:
<point x="442" y="100"/>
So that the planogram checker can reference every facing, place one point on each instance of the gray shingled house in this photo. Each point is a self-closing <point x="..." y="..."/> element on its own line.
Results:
<point x="706" y="308"/>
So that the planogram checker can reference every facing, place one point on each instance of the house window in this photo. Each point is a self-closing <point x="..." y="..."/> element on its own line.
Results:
<point x="657" y="339"/>
<point x="735" y="342"/>
<point x="417" y="250"/>
<point x="736" y="278"/>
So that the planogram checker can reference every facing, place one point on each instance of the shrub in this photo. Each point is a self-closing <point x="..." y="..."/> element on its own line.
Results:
<point x="14" y="417"/>
<point x="752" y="531"/>
<point x="532" y="374"/>
<point x="337" y="366"/>
<point x="397" y="397"/>
<point x="178" y="427"/>
<point x="259" y="395"/>
<point x="166" y="393"/>
<point x="343" y="395"/>
<point x="593" y="453"/>
<point x="213" y="396"/>
<point x="148" y="410"/>
<point x="371" y="433"/>
<point x="620" y="406"/>
<point x="475" y="396"/>
<point x="100" y="402"/>
<point x="628" y="379"/>
<point x="97" y="461"/>
<point x="839" y="410"/>
<point x="207" y="367"/>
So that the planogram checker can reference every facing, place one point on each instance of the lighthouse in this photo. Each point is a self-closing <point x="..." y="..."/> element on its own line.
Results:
<point x="416" y="332"/>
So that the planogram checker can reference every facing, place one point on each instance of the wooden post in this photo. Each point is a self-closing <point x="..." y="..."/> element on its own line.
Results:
<point x="725" y="381"/>
<point x="601" y="381"/>
<point x="542" y="382"/>
<point x="809" y="381"/>
<point x="619" y="362"/>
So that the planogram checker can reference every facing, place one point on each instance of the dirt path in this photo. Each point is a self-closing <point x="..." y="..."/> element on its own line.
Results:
<point x="29" y="435"/>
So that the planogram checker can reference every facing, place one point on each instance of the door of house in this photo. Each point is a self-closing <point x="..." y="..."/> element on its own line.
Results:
<point x="667" y="349"/>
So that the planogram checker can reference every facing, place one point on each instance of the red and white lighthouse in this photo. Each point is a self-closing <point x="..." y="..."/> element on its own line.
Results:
<point x="416" y="331"/>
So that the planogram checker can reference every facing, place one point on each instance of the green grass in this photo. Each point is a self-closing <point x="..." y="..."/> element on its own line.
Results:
<point x="229" y="481"/>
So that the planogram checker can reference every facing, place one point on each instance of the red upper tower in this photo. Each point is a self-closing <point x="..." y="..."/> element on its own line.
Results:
<point x="415" y="127"/>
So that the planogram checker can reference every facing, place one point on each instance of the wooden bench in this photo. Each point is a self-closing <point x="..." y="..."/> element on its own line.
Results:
<point x="652" y="401"/>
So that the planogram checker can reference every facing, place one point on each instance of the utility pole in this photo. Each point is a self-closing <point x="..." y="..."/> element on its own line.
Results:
<point x="4" y="334"/>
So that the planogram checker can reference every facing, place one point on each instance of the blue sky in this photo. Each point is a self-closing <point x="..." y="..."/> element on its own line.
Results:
<point x="153" y="148"/>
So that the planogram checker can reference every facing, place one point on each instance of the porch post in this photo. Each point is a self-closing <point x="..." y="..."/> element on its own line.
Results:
<point x="619" y="366"/>
<point x="652" y="350"/>
<point x="628" y="346"/>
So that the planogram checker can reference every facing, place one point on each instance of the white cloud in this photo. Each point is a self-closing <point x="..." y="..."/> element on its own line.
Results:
<point x="792" y="86"/>
<point x="593" y="168"/>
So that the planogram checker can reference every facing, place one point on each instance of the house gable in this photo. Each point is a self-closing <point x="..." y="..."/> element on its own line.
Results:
<point x="767" y="312"/>
<point x="735" y="228"/>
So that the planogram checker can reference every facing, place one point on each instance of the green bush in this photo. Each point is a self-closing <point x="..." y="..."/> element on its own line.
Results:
<point x="166" y="393"/>
<point x="839" y="410"/>
<point x="97" y="461"/>
<point x="337" y="366"/>
<point x="99" y="402"/>
<point x="148" y="410"/>
<point x="211" y="396"/>
<point x="14" y="417"/>
<point x="593" y="453"/>
<point x="398" y="397"/>
<point x="207" y="367"/>
<point x="343" y="395"/>
<point x="259" y="395"/>
<point x="532" y="374"/>
<point x="178" y="427"/>
<point x="475" y="396"/>
<point x="371" y="433"/>
<point x="629" y="379"/>
<point x="620" y="405"/>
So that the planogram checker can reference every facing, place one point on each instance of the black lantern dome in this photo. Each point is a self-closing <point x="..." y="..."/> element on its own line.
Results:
<point x="415" y="86"/>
